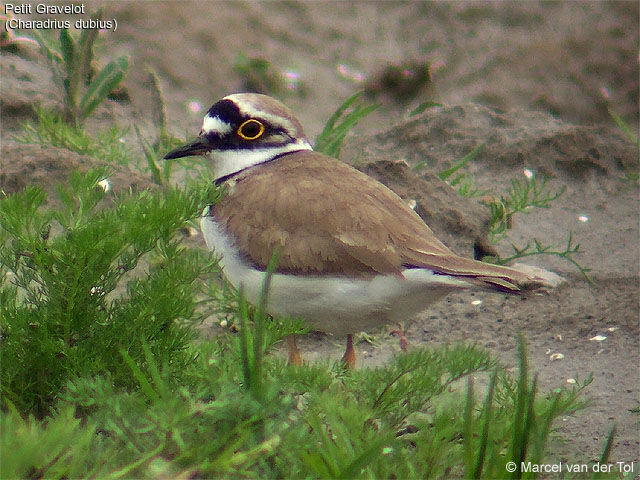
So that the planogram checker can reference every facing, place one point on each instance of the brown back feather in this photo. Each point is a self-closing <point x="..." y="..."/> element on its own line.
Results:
<point x="326" y="218"/>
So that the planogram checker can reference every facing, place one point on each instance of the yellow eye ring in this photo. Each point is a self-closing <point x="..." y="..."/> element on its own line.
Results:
<point x="247" y="129"/>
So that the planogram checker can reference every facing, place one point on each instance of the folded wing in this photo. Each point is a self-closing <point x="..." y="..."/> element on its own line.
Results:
<point x="330" y="219"/>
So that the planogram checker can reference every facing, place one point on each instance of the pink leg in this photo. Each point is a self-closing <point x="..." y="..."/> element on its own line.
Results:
<point x="400" y="334"/>
<point x="294" y="353"/>
<point x="349" y="357"/>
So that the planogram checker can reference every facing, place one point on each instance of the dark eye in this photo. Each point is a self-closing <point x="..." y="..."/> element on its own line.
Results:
<point x="251" y="129"/>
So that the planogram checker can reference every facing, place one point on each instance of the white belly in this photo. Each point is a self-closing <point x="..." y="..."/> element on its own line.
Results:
<point x="332" y="304"/>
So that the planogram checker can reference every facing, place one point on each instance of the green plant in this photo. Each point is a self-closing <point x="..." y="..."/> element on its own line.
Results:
<point x="160" y="168"/>
<point x="423" y="107"/>
<point x="50" y="129"/>
<point x="330" y="139"/>
<point x="84" y="281"/>
<point x="535" y="247"/>
<point x="71" y="63"/>
<point x="521" y="196"/>
<point x="463" y="182"/>
<point x="624" y="126"/>
<point x="632" y="172"/>
<point x="111" y="147"/>
<point x="234" y="409"/>
<point x="445" y="174"/>
<point x="254" y="341"/>
<point x="34" y="449"/>
<point x="529" y="422"/>
<point x="10" y="38"/>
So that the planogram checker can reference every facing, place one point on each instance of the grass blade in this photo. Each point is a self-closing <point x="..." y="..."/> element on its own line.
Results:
<point x="337" y="114"/>
<point x="467" y="434"/>
<point x="86" y="42"/>
<point x="243" y="340"/>
<point x="149" y="156"/>
<point x="631" y="135"/>
<point x="108" y="78"/>
<point x="484" y="439"/>
<point x="518" y="441"/>
<point x="48" y="47"/>
<point x="461" y="163"/>
<point x="606" y="452"/>
<point x="145" y="385"/>
<point x="422" y="107"/>
<point x="330" y="140"/>
<point x="68" y="49"/>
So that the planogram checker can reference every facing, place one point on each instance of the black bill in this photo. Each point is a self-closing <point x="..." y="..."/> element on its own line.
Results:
<point x="199" y="146"/>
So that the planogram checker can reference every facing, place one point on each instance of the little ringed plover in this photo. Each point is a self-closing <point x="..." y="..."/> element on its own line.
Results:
<point x="352" y="254"/>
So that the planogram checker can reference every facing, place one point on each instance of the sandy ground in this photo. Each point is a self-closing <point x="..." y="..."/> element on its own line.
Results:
<point x="531" y="81"/>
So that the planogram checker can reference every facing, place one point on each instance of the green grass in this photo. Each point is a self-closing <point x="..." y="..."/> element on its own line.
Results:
<point x="71" y="61"/>
<point x="50" y="129"/>
<point x="534" y="247"/>
<point x="154" y="149"/>
<point x="463" y="182"/>
<point x="112" y="147"/>
<point x="73" y="294"/>
<point x="631" y="172"/>
<point x="521" y="197"/>
<point x="340" y="124"/>
<point x="236" y="409"/>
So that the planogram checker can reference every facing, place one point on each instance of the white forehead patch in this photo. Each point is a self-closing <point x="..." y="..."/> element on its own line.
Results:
<point x="214" y="124"/>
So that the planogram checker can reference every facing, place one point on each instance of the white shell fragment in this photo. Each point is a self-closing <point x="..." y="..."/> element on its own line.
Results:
<point x="572" y="381"/>
<point x="598" y="338"/>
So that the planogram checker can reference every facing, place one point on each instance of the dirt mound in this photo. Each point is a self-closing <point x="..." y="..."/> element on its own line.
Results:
<point x="47" y="167"/>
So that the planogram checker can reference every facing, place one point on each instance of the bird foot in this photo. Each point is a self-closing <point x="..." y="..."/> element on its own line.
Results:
<point x="402" y="339"/>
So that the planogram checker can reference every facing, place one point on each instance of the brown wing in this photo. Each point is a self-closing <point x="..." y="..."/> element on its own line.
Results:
<point x="328" y="218"/>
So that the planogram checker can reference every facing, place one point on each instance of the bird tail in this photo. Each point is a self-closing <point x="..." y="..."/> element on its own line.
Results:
<point x="517" y="278"/>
